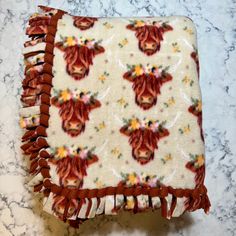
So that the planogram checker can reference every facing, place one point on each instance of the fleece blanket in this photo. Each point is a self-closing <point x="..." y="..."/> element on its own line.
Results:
<point x="112" y="115"/>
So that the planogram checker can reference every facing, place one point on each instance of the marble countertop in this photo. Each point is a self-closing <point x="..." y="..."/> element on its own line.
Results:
<point x="20" y="212"/>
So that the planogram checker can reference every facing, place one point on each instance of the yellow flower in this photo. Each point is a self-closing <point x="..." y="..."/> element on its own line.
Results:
<point x="190" y="31"/>
<point x="139" y="23"/>
<point x="186" y="129"/>
<point x="115" y="151"/>
<point x="186" y="79"/>
<point x="108" y="25"/>
<point x="99" y="184"/>
<point x="121" y="101"/>
<point x="200" y="160"/>
<point x="171" y="101"/>
<point x="130" y="204"/>
<point x="199" y="106"/>
<point x="176" y="47"/>
<point x="138" y="70"/>
<point x="134" y="124"/>
<point x="22" y="122"/>
<point x="102" y="78"/>
<point x="168" y="157"/>
<point x="61" y="152"/>
<point x="65" y="95"/>
<point x="132" y="179"/>
<point x="102" y="125"/>
<point x="70" y="41"/>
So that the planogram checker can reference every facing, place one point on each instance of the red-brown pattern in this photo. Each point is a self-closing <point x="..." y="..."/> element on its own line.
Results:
<point x="198" y="113"/>
<point x="74" y="114"/>
<point x="149" y="37"/>
<point x="71" y="199"/>
<point x="79" y="58"/>
<point x="147" y="87"/>
<point x="72" y="169"/>
<point x="84" y="23"/>
<point x="143" y="142"/>
<point x="194" y="56"/>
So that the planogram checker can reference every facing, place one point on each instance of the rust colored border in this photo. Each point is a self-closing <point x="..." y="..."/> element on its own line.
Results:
<point x="35" y="142"/>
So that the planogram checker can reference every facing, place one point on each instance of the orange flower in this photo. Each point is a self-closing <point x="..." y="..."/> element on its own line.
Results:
<point x="200" y="160"/>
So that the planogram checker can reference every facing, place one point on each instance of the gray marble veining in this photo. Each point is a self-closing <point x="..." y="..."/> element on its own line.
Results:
<point x="20" y="212"/>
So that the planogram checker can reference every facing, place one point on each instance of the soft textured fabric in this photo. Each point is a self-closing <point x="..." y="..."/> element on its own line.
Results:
<point x="113" y="116"/>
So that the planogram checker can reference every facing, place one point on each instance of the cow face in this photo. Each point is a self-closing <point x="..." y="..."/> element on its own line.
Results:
<point x="79" y="54"/>
<point x="149" y="35"/>
<point x="143" y="138"/>
<point x="196" y="109"/>
<point x="59" y="205"/>
<point x="74" y="110"/>
<point x="84" y="23"/>
<point x="147" y="82"/>
<point x="71" y="164"/>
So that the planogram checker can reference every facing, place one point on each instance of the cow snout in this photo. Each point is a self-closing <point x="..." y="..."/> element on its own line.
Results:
<point x="79" y="70"/>
<point x="143" y="153"/>
<point x="146" y="99"/>
<point x="150" y="45"/>
<point x="72" y="183"/>
<point x="84" y="23"/>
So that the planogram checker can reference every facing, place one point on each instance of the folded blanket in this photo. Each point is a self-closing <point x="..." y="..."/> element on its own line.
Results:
<point x="112" y="115"/>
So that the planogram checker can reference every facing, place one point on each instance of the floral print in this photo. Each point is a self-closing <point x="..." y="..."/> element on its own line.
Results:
<point x="170" y="102"/>
<point x="143" y="137"/>
<point x="186" y="80"/>
<point x="103" y="77"/>
<point x="122" y="102"/>
<point x="71" y="151"/>
<point x="143" y="179"/>
<point x="100" y="126"/>
<point x="70" y="41"/>
<point x="108" y="25"/>
<point x="185" y="130"/>
<point x="123" y="43"/>
<point x="147" y="81"/>
<point x="135" y="123"/>
<point x="79" y="103"/>
<point x="175" y="47"/>
<point x="197" y="160"/>
<point x="67" y="94"/>
<point x="116" y="152"/>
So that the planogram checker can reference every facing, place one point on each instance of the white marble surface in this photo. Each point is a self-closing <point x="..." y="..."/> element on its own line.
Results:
<point x="20" y="212"/>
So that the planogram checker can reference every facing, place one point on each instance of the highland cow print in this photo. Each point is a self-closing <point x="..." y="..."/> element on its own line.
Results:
<point x="84" y="23"/>
<point x="79" y="54"/>
<point x="149" y="35"/>
<point x="196" y="109"/>
<point x="147" y="82"/>
<point x="197" y="166"/>
<point x="71" y="164"/>
<point x="74" y="108"/>
<point x="194" y="56"/>
<point x="143" y="138"/>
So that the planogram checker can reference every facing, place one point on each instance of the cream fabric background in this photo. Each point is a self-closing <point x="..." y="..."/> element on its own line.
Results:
<point x="109" y="167"/>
